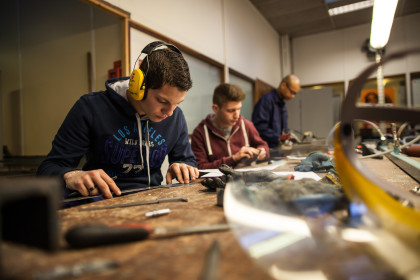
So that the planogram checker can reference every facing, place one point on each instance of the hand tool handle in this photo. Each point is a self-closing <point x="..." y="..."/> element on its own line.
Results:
<point x="96" y="235"/>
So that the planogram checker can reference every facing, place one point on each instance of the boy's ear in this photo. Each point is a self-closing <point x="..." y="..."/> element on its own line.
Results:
<point x="215" y="108"/>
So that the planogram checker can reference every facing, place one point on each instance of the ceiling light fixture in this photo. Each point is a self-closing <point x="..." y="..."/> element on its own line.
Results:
<point x="382" y="18"/>
<point x="350" y="8"/>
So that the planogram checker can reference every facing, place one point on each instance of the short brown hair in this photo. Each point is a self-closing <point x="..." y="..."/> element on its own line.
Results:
<point x="224" y="93"/>
<point x="166" y="66"/>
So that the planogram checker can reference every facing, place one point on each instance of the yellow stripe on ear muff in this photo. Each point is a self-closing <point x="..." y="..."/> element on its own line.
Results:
<point x="136" y="85"/>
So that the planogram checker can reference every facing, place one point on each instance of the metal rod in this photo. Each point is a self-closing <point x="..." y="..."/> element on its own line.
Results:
<point x="137" y="203"/>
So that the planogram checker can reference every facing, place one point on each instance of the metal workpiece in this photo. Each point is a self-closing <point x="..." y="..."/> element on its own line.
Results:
<point x="157" y="213"/>
<point x="191" y="229"/>
<point x="76" y="196"/>
<point x="396" y="138"/>
<point x="28" y="212"/>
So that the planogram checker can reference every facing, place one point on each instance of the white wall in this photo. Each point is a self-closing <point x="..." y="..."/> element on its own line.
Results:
<point x="336" y="56"/>
<point x="252" y="45"/>
<point x="197" y="24"/>
<point x="231" y="32"/>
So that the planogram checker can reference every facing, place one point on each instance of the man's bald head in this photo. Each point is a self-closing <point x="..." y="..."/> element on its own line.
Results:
<point x="289" y="87"/>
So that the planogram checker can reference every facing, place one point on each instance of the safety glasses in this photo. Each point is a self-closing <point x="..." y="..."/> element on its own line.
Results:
<point x="291" y="91"/>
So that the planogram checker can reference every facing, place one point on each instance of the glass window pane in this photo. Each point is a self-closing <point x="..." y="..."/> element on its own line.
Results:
<point x="199" y="99"/>
<point x="247" y="86"/>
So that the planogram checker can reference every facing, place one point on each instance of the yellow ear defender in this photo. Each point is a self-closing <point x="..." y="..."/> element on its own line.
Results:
<point x="136" y="85"/>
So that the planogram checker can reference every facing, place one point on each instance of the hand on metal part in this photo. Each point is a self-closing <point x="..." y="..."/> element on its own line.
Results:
<point x="262" y="154"/>
<point x="247" y="155"/>
<point x="91" y="182"/>
<point x="182" y="172"/>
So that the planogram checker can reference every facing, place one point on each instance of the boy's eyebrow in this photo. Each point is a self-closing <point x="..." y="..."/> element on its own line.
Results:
<point x="166" y="100"/>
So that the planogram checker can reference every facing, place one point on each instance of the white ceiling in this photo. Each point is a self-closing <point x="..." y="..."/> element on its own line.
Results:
<point x="305" y="17"/>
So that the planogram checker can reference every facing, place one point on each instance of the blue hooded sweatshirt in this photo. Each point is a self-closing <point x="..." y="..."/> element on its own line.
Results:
<point x="105" y="128"/>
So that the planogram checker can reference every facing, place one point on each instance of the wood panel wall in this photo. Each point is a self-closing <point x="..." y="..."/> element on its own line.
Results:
<point x="260" y="89"/>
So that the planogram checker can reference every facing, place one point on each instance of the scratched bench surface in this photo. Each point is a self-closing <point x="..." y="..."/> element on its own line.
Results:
<point x="388" y="172"/>
<point x="180" y="257"/>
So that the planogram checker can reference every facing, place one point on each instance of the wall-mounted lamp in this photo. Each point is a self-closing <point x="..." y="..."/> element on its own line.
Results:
<point x="382" y="18"/>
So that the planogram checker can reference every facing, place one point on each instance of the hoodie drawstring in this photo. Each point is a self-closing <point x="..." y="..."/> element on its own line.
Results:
<point x="244" y="133"/>
<point x="206" y="133"/>
<point x="148" y="150"/>
<point x="147" y="145"/>
<point x="208" y="143"/>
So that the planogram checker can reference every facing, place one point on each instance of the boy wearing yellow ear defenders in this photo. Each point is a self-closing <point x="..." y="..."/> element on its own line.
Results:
<point x="126" y="131"/>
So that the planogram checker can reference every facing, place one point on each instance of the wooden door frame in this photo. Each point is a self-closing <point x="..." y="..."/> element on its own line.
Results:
<point x="124" y="16"/>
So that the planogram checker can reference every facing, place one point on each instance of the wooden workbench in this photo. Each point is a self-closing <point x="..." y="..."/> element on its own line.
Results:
<point x="180" y="257"/>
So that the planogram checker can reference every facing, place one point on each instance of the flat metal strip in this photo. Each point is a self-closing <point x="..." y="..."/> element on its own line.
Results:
<point x="406" y="164"/>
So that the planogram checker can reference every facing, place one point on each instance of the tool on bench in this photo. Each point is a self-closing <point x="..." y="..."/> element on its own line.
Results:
<point x="137" y="203"/>
<point x="75" y="196"/>
<point x="212" y="264"/>
<point x="60" y="272"/>
<point x="157" y="213"/>
<point x="84" y="236"/>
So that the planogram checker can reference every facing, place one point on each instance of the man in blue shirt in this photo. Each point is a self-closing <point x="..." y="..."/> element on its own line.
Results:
<point x="270" y="114"/>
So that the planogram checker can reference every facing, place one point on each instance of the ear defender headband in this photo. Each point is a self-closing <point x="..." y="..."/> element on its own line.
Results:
<point x="137" y="83"/>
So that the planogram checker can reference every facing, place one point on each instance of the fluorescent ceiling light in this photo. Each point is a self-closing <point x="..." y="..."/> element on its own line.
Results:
<point x="351" y="7"/>
<point x="382" y="18"/>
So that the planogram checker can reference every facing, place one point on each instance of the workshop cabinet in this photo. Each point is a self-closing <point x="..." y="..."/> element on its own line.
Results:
<point x="313" y="110"/>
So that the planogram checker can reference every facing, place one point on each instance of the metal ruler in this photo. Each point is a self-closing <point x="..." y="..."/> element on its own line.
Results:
<point x="127" y="191"/>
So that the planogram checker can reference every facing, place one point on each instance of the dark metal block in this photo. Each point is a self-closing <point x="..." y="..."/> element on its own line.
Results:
<point x="28" y="211"/>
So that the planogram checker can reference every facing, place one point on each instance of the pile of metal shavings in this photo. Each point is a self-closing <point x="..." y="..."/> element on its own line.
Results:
<point x="416" y="190"/>
<point x="294" y="197"/>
